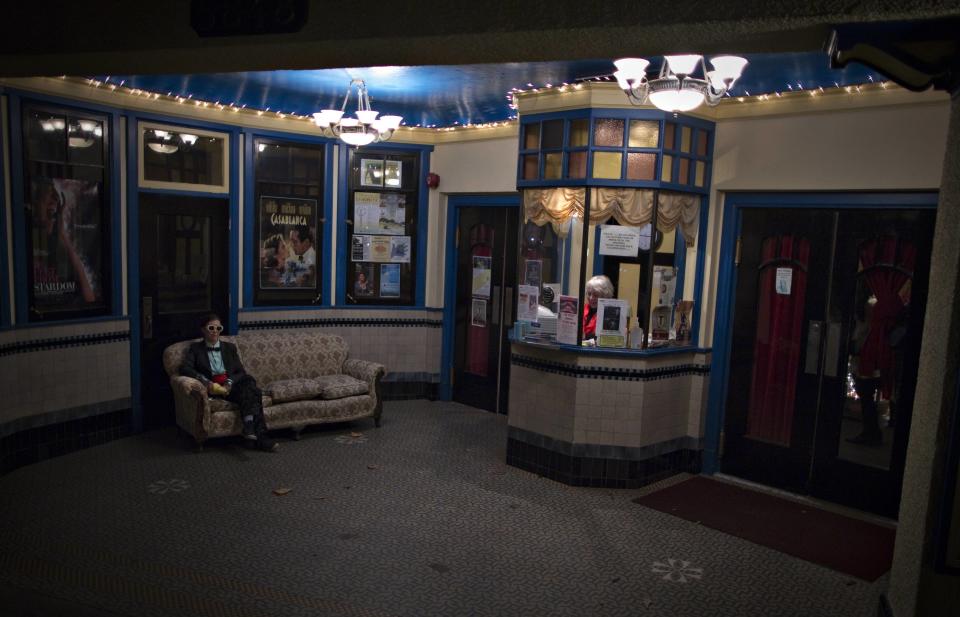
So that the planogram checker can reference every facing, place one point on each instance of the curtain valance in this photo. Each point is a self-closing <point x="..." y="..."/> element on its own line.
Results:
<point x="628" y="206"/>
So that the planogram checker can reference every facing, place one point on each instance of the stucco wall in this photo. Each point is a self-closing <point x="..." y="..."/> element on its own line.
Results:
<point x="878" y="149"/>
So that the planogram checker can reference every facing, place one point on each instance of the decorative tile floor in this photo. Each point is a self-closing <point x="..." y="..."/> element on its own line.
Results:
<point x="420" y="517"/>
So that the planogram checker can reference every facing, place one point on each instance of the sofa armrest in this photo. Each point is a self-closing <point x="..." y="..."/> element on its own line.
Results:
<point x="371" y="373"/>
<point x="192" y="405"/>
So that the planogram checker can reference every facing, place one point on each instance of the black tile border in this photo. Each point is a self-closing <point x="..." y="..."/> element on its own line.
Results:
<point x="333" y="322"/>
<point x="589" y="450"/>
<point x="408" y="390"/>
<point x="597" y="372"/>
<point x="601" y="472"/>
<point x="40" y="443"/>
<point x="61" y="342"/>
<point x="63" y="415"/>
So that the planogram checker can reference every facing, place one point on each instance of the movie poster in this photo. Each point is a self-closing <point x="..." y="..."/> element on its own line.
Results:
<point x="66" y="233"/>
<point x="288" y="254"/>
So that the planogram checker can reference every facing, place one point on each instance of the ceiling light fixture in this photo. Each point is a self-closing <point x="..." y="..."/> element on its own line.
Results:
<point x="684" y="82"/>
<point x="365" y="129"/>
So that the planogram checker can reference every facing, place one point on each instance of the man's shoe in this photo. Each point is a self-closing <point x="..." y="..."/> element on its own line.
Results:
<point x="265" y="444"/>
<point x="249" y="432"/>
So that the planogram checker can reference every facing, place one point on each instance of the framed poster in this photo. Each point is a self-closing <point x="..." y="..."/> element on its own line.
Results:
<point x="392" y="174"/>
<point x="288" y="258"/>
<point x="67" y="243"/>
<point x="371" y="172"/>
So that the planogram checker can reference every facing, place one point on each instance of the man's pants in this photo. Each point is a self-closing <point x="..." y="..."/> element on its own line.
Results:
<point x="248" y="396"/>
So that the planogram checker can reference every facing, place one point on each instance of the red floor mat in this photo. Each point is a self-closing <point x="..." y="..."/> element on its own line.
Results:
<point x="838" y="542"/>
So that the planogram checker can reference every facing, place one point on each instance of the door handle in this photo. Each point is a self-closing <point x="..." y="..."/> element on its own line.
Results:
<point x="146" y="318"/>
<point x="833" y="349"/>
<point x="496" y="305"/>
<point x="814" y="334"/>
<point x="508" y="306"/>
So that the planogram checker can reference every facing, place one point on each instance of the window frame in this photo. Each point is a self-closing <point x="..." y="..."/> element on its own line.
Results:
<point x="224" y="187"/>
<point x="318" y="295"/>
<point x="418" y="240"/>
<point x="19" y="104"/>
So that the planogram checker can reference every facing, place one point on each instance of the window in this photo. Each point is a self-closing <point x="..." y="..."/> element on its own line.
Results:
<point x="382" y="214"/>
<point x="288" y="200"/>
<point x="183" y="158"/>
<point x="66" y="188"/>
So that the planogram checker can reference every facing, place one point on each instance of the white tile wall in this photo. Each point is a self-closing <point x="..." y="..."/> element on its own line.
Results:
<point x="609" y="411"/>
<point x="402" y="349"/>
<point x="43" y="381"/>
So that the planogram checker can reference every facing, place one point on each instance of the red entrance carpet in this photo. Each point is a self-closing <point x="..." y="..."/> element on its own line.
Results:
<point x="854" y="547"/>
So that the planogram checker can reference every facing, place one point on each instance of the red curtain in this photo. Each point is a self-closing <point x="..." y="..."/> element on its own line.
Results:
<point x="776" y="352"/>
<point x="893" y="269"/>
<point x="478" y="337"/>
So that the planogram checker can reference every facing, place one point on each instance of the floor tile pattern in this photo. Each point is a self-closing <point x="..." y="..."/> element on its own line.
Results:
<point x="420" y="517"/>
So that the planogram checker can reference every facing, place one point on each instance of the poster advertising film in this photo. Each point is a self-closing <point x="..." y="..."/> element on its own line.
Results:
<point x="288" y="257"/>
<point x="527" y="303"/>
<point x="364" y="285"/>
<point x="612" y="317"/>
<point x="390" y="281"/>
<point x="568" y="315"/>
<point x="379" y="213"/>
<point x="481" y="276"/>
<point x="380" y="249"/>
<point x="67" y="250"/>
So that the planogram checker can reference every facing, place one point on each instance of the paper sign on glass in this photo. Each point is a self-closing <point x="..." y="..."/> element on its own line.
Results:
<point x="619" y="240"/>
<point x="567" y="319"/>
<point x="366" y="213"/>
<point x="481" y="276"/>
<point x="527" y="303"/>
<point x="784" y="281"/>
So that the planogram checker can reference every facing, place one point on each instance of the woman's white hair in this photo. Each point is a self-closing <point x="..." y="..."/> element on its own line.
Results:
<point x="601" y="286"/>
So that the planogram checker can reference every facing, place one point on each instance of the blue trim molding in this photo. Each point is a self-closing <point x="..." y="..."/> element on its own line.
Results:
<point x="454" y="203"/>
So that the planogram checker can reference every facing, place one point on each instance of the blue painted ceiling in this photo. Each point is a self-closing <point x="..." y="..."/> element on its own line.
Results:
<point x="445" y="96"/>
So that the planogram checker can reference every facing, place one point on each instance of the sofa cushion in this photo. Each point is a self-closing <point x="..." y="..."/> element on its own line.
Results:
<point x="340" y="386"/>
<point x="274" y="355"/>
<point x="298" y="389"/>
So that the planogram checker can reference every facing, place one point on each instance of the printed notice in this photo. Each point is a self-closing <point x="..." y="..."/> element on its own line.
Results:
<point x="481" y="276"/>
<point x="784" y="281"/>
<point x="619" y="240"/>
<point x="527" y="303"/>
<point x="567" y="319"/>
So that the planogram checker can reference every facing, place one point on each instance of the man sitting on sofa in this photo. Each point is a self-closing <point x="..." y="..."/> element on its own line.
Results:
<point x="217" y="365"/>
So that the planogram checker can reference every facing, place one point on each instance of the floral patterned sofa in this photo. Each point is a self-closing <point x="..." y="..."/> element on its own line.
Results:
<point x="306" y="378"/>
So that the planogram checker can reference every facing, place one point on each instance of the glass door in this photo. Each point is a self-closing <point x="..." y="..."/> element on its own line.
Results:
<point x="828" y="315"/>
<point x="486" y="284"/>
<point x="777" y="334"/>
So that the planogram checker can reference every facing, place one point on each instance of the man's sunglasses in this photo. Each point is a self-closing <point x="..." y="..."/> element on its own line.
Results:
<point x="215" y="328"/>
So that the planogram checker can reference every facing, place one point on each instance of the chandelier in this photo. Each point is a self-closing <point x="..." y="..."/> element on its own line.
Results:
<point x="365" y="129"/>
<point x="684" y="82"/>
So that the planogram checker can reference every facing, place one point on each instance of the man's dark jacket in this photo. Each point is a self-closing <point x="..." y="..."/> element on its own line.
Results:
<point x="196" y="363"/>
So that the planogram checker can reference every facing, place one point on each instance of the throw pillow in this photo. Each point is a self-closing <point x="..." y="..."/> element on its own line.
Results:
<point x="340" y="386"/>
<point x="286" y="390"/>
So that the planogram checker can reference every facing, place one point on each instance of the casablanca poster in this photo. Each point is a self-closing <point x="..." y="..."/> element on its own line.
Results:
<point x="66" y="233"/>
<point x="288" y="255"/>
